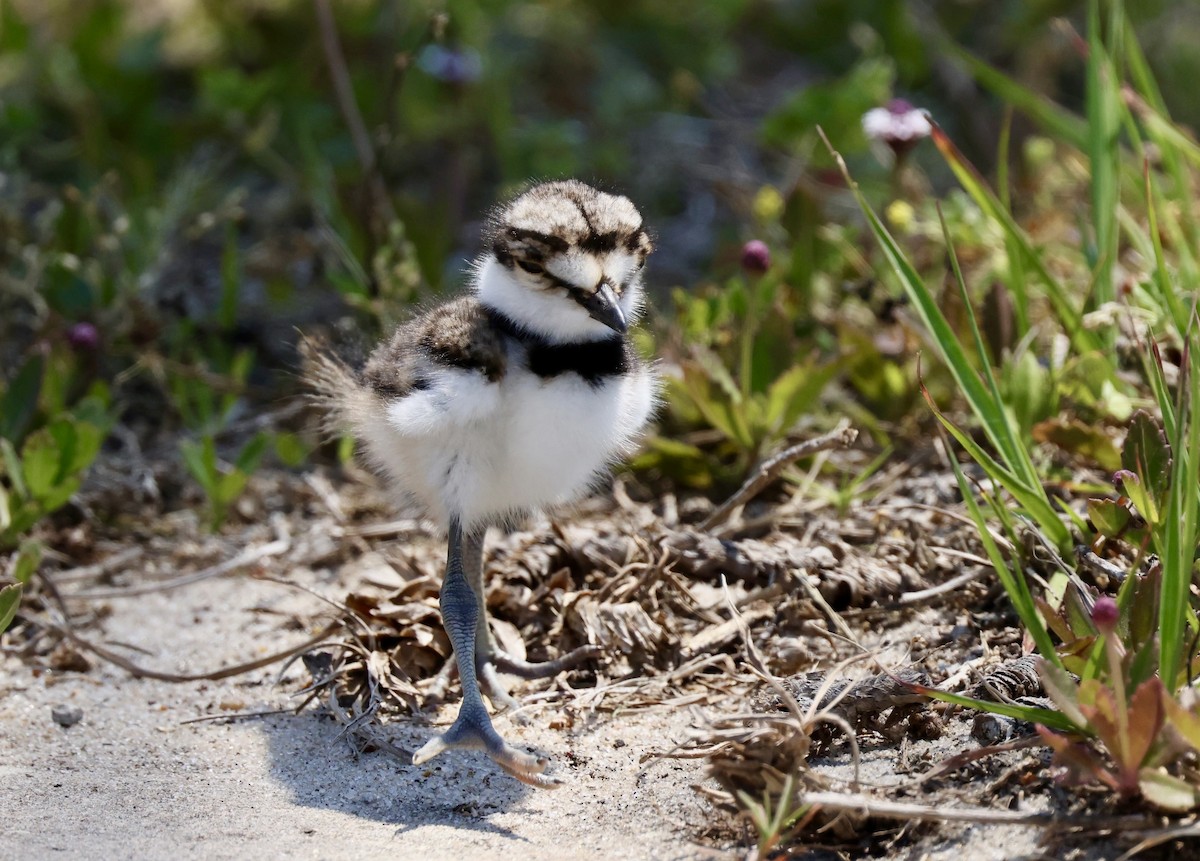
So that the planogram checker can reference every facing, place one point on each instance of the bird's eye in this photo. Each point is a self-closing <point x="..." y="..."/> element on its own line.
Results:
<point x="531" y="268"/>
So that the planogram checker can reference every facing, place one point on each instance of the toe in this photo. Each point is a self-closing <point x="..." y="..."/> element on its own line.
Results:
<point x="545" y="669"/>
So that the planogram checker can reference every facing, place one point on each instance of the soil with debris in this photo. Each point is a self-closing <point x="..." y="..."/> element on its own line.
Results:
<point x="257" y="693"/>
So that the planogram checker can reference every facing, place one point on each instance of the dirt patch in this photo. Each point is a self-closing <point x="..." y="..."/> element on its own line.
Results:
<point x="155" y="768"/>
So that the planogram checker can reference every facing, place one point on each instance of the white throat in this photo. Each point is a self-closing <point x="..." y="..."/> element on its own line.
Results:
<point x="549" y="313"/>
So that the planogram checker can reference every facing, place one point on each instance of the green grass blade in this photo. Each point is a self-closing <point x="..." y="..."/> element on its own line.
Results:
<point x="989" y="411"/>
<point x="1016" y="454"/>
<point x="1046" y="717"/>
<point x="1030" y="497"/>
<point x="1143" y="81"/>
<point x="1162" y="277"/>
<point x="1016" y="269"/>
<point x="1013" y="581"/>
<point x="974" y="184"/>
<point x="1103" y="114"/>
<point x="1054" y="119"/>
<point x="1178" y="548"/>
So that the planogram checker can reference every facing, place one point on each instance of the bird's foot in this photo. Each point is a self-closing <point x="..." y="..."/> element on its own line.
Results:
<point x="489" y="665"/>
<point x="474" y="731"/>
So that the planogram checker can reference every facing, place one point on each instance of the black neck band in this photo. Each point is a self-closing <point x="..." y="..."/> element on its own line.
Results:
<point x="592" y="360"/>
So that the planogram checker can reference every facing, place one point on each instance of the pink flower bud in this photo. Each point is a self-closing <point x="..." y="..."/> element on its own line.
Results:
<point x="84" y="337"/>
<point x="1105" y="615"/>
<point x="756" y="256"/>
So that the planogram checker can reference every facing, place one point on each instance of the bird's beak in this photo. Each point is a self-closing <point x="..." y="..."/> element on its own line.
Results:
<point x="604" y="307"/>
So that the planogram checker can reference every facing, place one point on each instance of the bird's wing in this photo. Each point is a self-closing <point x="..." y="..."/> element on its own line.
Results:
<point x="439" y="371"/>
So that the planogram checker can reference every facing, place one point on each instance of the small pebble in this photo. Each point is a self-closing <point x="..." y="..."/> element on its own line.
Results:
<point x="66" y="715"/>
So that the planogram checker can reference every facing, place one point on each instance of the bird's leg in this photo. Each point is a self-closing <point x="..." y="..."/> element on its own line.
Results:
<point x="485" y="645"/>
<point x="488" y="656"/>
<point x="472" y="729"/>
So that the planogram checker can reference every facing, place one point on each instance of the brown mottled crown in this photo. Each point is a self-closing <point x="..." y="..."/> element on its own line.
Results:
<point x="554" y="217"/>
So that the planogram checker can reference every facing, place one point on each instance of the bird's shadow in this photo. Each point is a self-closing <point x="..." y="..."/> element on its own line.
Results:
<point x="321" y="769"/>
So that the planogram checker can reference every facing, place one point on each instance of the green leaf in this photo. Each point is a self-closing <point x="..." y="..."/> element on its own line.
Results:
<point x="976" y="186"/>
<point x="28" y="559"/>
<point x="200" y="459"/>
<point x="12" y="467"/>
<point x="291" y="450"/>
<point x="795" y="392"/>
<point x="1110" y="518"/>
<point x="1032" y="714"/>
<point x="1075" y="436"/>
<point x="20" y="399"/>
<point x="681" y="461"/>
<point x="1054" y="119"/>
<point x="1061" y="688"/>
<point x="1031" y="498"/>
<point x="252" y="452"/>
<point x="60" y="494"/>
<point x="1166" y="791"/>
<point x="836" y="106"/>
<point x="1103" y="114"/>
<point x="42" y="464"/>
<point x="230" y="485"/>
<point x="10" y="598"/>
<point x="1148" y="455"/>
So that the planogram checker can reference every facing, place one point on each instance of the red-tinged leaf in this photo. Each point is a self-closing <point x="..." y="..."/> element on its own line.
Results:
<point x="1054" y="620"/>
<point x="1078" y="758"/>
<point x="1145" y="720"/>
<point x="1099" y="704"/>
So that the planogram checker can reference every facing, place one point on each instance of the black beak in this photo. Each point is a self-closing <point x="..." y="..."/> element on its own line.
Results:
<point x="604" y="307"/>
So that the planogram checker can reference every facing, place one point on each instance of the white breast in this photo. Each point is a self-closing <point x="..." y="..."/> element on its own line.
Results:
<point x="488" y="451"/>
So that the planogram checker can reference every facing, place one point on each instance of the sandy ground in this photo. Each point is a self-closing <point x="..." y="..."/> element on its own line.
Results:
<point x="132" y="780"/>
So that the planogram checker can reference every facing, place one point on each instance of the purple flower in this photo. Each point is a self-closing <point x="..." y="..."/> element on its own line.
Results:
<point x="756" y="256"/>
<point x="899" y="125"/>
<point x="450" y="65"/>
<point x="84" y="337"/>
<point x="1123" y="476"/>
<point x="1105" y="615"/>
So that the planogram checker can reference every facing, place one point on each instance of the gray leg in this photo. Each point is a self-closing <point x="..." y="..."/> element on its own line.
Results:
<point x="485" y="645"/>
<point x="473" y="730"/>
<point x="488" y="657"/>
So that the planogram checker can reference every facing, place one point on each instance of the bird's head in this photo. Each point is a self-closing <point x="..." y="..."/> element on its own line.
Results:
<point x="565" y="261"/>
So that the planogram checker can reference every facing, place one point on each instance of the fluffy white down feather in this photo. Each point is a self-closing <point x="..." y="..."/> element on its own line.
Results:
<point x="495" y="451"/>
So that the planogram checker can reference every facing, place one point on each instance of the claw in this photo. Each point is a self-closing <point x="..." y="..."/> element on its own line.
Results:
<point x="495" y="691"/>
<point x="470" y="734"/>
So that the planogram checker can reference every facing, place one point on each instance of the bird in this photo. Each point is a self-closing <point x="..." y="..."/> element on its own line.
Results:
<point x="509" y="400"/>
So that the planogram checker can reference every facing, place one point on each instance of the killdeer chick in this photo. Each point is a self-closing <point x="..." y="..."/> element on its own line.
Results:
<point x="505" y="402"/>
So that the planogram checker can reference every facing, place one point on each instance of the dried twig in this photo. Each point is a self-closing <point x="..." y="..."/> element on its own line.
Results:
<point x="933" y="591"/>
<point x="247" y="557"/>
<point x="224" y="673"/>
<point x="335" y="59"/>
<point x="770" y="469"/>
<point x="104" y="566"/>
<point x="868" y="806"/>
